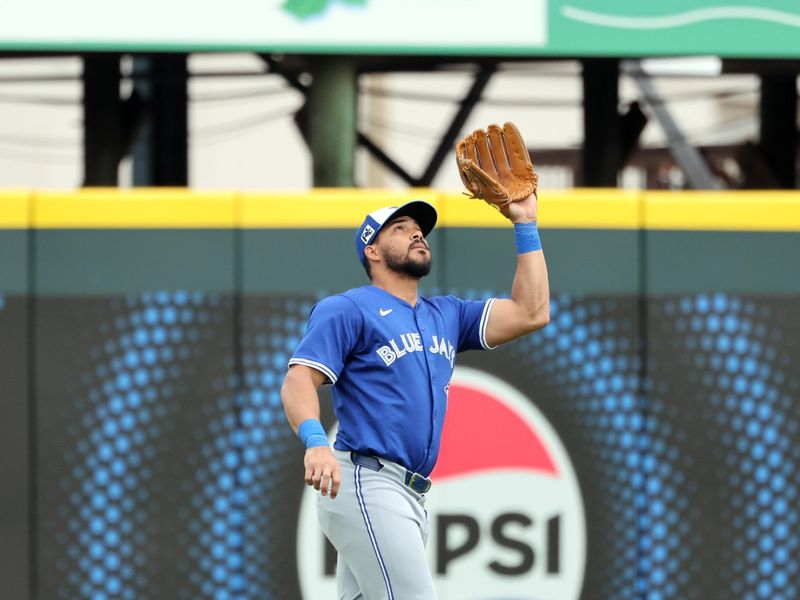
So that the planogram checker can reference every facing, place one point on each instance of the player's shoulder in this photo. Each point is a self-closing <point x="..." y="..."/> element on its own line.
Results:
<point x="342" y="303"/>
<point x="357" y="294"/>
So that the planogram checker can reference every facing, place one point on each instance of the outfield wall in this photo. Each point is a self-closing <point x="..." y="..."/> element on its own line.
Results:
<point x="144" y="336"/>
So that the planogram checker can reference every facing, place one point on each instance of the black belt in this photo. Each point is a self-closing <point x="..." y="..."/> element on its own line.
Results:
<point x="418" y="483"/>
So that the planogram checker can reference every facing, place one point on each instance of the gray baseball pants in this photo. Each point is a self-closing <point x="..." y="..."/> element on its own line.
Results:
<point x="379" y="528"/>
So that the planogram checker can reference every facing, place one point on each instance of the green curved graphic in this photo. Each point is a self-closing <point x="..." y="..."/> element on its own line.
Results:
<point x="303" y="9"/>
<point x="726" y="28"/>
<point x="680" y="19"/>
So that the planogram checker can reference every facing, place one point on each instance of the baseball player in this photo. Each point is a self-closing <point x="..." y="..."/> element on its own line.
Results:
<point x="389" y="354"/>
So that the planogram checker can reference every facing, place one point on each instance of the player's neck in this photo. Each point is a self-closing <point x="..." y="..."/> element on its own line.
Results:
<point x="405" y="288"/>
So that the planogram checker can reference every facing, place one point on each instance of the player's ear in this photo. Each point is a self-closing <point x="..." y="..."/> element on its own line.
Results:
<point x="371" y="252"/>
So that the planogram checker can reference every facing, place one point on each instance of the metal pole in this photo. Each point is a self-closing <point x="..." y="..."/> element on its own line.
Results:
<point x="778" y="122"/>
<point x="332" y="121"/>
<point x="602" y="140"/>
<point x="160" y="154"/>
<point x="102" y="120"/>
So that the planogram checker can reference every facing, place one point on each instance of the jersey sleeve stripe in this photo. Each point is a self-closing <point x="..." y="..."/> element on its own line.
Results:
<point x="315" y="365"/>
<point x="484" y="322"/>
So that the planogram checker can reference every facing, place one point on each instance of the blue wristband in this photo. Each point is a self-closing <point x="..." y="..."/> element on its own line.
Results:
<point x="312" y="434"/>
<point x="527" y="237"/>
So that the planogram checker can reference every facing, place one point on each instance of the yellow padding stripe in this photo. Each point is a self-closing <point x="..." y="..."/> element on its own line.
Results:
<point x="338" y="208"/>
<point x="345" y="208"/>
<point x="596" y="209"/>
<point x="14" y="210"/>
<point x="151" y="209"/>
<point x="726" y="211"/>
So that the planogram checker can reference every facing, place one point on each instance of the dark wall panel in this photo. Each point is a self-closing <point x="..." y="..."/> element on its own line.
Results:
<point x="135" y="348"/>
<point x="14" y="413"/>
<point x="745" y="262"/>
<point x="723" y="379"/>
<point x="724" y="423"/>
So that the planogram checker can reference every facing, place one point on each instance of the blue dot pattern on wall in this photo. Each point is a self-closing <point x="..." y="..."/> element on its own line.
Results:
<point x="137" y="369"/>
<point x="746" y="387"/>
<point x="182" y="476"/>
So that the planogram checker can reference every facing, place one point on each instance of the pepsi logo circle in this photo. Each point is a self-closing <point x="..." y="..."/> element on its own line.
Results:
<point x="506" y="513"/>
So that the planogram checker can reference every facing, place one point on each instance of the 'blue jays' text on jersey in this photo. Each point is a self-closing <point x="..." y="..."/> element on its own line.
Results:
<point x="391" y="366"/>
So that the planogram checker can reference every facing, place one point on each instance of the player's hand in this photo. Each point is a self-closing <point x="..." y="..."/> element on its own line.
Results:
<point x="322" y="470"/>
<point x="523" y="211"/>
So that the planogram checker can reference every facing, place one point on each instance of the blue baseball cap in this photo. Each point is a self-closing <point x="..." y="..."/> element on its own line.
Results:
<point x="422" y="212"/>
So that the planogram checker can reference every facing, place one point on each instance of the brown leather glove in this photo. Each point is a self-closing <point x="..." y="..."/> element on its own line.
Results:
<point x="495" y="165"/>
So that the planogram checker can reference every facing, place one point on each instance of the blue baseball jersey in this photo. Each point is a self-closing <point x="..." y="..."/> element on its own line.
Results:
<point x="390" y="365"/>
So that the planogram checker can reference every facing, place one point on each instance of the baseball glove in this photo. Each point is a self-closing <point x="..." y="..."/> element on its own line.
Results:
<point x="495" y="165"/>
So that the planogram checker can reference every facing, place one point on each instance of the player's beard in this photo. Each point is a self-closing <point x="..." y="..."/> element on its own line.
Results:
<point x="406" y="264"/>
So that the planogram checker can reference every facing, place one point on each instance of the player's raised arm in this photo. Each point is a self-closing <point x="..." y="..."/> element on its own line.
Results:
<point x="529" y="306"/>
<point x="495" y="166"/>
<point x="301" y="404"/>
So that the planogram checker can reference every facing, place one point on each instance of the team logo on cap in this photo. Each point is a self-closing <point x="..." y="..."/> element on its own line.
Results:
<point x="367" y="234"/>
<point x="506" y="512"/>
